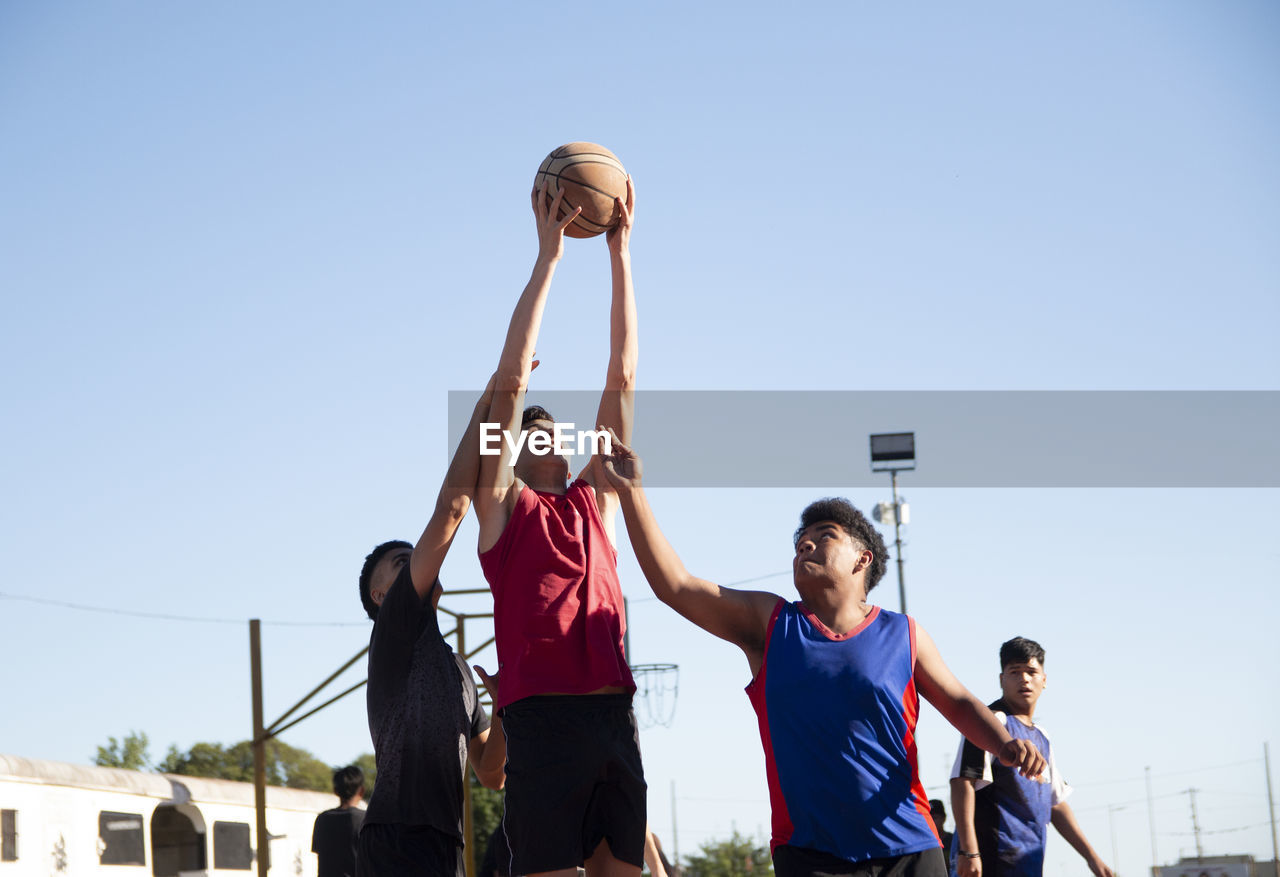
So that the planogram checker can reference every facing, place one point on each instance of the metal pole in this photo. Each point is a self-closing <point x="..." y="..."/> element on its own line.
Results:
<point x="1151" y="820"/>
<point x="1195" y="824"/>
<point x="1111" y="819"/>
<point x="259" y="748"/>
<point x="1271" y="809"/>
<point x="897" y="541"/>
<point x="675" y="835"/>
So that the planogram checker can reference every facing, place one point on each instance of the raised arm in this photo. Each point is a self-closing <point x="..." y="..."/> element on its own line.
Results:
<point x="487" y="751"/>
<point x="739" y="617"/>
<point x="494" y="494"/>
<point x="451" y="503"/>
<point x="967" y="714"/>
<point x="617" y="401"/>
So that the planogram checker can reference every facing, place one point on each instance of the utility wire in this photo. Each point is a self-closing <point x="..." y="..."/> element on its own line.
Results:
<point x="1161" y="775"/>
<point x="1216" y="831"/>
<point x="160" y="616"/>
<point x="163" y="616"/>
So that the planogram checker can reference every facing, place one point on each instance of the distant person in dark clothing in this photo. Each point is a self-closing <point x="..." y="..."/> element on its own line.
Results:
<point x="938" y="811"/>
<point x="333" y="839"/>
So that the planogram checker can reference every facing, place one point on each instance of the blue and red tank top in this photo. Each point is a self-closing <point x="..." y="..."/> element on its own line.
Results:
<point x="837" y="718"/>
<point x="558" y="615"/>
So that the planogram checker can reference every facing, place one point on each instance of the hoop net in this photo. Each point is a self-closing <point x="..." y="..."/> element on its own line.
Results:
<point x="657" y="687"/>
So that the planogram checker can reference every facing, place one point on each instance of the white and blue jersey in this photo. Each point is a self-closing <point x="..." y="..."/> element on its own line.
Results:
<point x="837" y="718"/>
<point x="1010" y="812"/>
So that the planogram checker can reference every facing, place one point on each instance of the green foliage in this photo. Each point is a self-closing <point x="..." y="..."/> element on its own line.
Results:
<point x="131" y="754"/>
<point x="286" y="765"/>
<point x="369" y="765"/>
<point x="486" y="814"/>
<point x="735" y="857"/>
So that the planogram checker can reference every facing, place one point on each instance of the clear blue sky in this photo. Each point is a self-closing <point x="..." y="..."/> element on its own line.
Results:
<point x="247" y="250"/>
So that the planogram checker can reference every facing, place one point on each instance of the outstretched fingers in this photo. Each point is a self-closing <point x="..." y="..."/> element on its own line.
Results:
<point x="490" y="682"/>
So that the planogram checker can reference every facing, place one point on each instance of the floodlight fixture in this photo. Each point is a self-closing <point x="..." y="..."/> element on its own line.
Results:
<point x="893" y="451"/>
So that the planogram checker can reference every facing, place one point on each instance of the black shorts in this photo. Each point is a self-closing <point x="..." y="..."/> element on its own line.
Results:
<point x="409" y="850"/>
<point x="573" y="779"/>
<point x="789" y="861"/>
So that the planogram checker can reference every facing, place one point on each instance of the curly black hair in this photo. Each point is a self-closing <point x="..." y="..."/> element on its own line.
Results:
<point x="366" y="572"/>
<point x="1020" y="650"/>
<point x="840" y="511"/>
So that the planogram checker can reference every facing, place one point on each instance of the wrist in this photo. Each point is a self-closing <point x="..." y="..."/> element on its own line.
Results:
<point x="968" y="855"/>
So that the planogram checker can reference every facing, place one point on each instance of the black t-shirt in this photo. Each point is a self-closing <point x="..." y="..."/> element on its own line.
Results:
<point x="334" y="841"/>
<point x="423" y="711"/>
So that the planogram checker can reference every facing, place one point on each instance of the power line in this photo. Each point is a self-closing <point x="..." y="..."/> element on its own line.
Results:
<point x="1217" y="831"/>
<point x="1170" y="774"/>
<point x="161" y="616"/>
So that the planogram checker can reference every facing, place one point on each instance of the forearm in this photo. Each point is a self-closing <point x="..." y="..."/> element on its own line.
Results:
<point x="624" y="345"/>
<point x="526" y="319"/>
<point x="490" y="766"/>
<point x="971" y="718"/>
<point x="617" y="404"/>
<point x="460" y="479"/>
<point x="1064" y="820"/>
<point x="962" y="805"/>
<point x="659" y="562"/>
<point x="510" y="381"/>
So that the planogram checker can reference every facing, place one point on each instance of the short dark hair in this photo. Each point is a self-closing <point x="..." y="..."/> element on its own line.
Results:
<point x="936" y="806"/>
<point x="840" y="511"/>
<point x="366" y="572"/>
<point x="1021" y="650"/>
<point x="347" y="781"/>
<point x="535" y="412"/>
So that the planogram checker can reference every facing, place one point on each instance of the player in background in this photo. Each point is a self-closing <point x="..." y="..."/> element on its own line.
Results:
<point x="1002" y="818"/>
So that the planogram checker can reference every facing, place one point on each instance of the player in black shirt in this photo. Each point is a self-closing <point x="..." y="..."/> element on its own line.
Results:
<point x="425" y="715"/>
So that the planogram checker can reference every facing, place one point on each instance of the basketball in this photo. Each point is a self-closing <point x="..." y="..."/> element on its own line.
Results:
<point x="591" y="177"/>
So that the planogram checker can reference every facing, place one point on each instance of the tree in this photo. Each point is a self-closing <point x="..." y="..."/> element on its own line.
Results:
<point x="486" y="814"/>
<point x="369" y="765"/>
<point x="734" y="857"/>
<point x="286" y="765"/>
<point x="130" y="754"/>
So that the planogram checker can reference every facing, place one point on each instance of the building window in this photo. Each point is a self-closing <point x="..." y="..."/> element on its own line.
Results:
<point x="231" y="848"/>
<point x="121" y="839"/>
<point x="8" y="835"/>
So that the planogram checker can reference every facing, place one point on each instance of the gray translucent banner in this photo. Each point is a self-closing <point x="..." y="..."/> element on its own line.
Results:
<point x="813" y="438"/>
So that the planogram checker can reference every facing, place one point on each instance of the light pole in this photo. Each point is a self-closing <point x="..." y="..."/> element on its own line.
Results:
<point x="894" y="452"/>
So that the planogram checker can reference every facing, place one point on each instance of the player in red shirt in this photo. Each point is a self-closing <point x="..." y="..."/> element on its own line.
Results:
<point x="575" y="785"/>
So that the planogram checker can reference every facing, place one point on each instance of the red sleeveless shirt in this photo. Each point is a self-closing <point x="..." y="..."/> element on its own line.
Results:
<point x="557" y="602"/>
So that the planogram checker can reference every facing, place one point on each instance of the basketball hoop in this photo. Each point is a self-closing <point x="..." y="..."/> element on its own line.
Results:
<point x="657" y="686"/>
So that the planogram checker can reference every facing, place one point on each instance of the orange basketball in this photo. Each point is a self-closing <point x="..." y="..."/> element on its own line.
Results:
<point x="591" y="177"/>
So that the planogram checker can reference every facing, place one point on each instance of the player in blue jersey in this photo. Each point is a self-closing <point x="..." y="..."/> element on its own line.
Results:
<point x="835" y="684"/>
<point x="1002" y="819"/>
